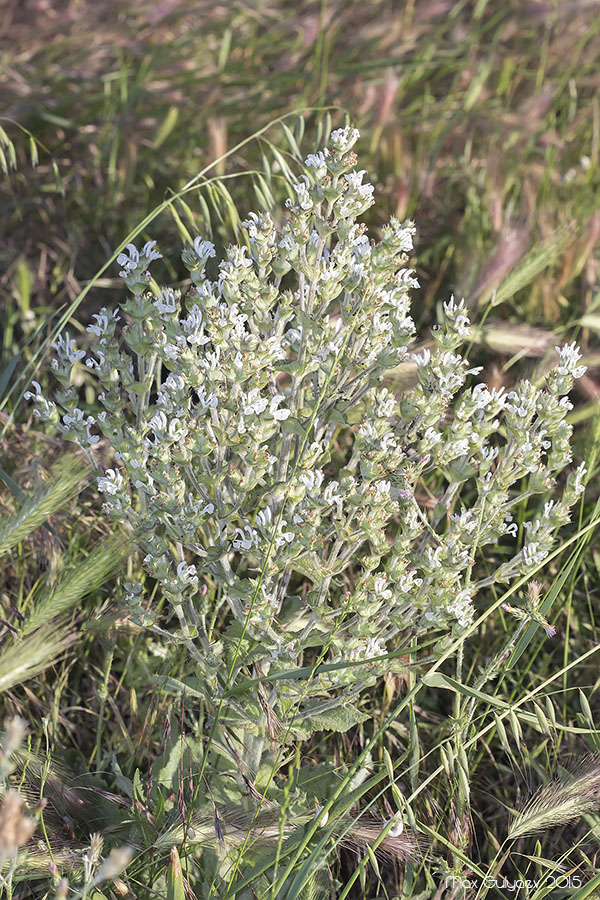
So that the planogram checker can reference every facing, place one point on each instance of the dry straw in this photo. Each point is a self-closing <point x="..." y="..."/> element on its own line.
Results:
<point x="15" y="827"/>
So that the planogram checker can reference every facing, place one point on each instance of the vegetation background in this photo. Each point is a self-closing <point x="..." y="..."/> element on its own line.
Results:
<point x="480" y="121"/>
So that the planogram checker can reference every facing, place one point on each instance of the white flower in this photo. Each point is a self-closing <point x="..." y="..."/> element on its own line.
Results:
<point x="177" y="430"/>
<point x="111" y="482"/>
<point x="254" y="404"/>
<point x="422" y="359"/>
<point x="375" y="647"/>
<point x="302" y="195"/>
<point x="358" y="198"/>
<point x="451" y="308"/>
<point x="146" y="486"/>
<point x="361" y="246"/>
<point x="193" y="327"/>
<point x="520" y="406"/>
<point x="247" y="539"/>
<point x="577" y="478"/>
<point x="382" y="491"/>
<point x="466" y="521"/>
<point x="481" y="396"/>
<point x="167" y="302"/>
<point x="211" y="360"/>
<point x="129" y="263"/>
<point x="354" y="179"/>
<point x="76" y="421"/>
<point x="367" y="431"/>
<point x="462" y="609"/>
<point x="330" y="273"/>
<point x="489" y="454"/>
<point x="237" y="260"/>
<point x="92" y="363"/>
<point x="533" y="554"/>
<point x="323" y="820"/>
<point x="432" y="437"/>
<point x="252" y="226"/>
<point x="187" y="574"/>
<point x="568" y="357"/>
<point x="288" y="242"/>
<point x="38" y="391"/>
<point x="103" y="319"/>
<point x="312" y="480"/>
<point x="462" y="325"/>
<point x="381" y="325"/>
<point x="318" y="162"/>
<point x="174" y="383"/>
<point x="388" y="442"/>
<point x="458" y="448"/>
<point x="399" y="236"/>
<point x="264" y="517"/>
<point x="172" y="350"/>
<point x="204" y="249"/>
<point x="365" y="650"/>
<point x="381" y="589"/>
<point x="206" y="401"/>
<point x="278" y="414"/>
<point x="343" y="139"/>
<point x="195" y="506"/>
<point x="67" y="347"/>
<point x="408" y="581"/>
<point x="158" y="423"/>
<point x="149" y="252"/>
<point x="386" y="403"/>
<point x="330" y="494"/>
<point x="457" y="314"/>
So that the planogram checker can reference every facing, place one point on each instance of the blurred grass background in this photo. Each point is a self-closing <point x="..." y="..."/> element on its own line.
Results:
<point x="480" y="120"/>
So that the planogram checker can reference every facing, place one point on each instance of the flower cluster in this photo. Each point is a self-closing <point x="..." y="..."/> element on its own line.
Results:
<point x="260" y="461"/>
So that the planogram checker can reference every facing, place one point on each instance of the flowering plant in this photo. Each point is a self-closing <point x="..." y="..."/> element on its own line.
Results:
<point x="277" y="486"/>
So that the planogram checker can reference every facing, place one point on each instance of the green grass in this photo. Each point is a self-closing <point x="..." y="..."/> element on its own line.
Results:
<point x="479" y="120"/>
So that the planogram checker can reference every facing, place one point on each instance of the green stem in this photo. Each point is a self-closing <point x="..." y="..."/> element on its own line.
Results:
<point x="103" y="694"/>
